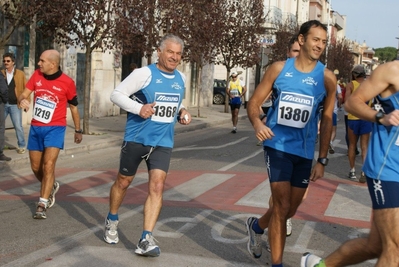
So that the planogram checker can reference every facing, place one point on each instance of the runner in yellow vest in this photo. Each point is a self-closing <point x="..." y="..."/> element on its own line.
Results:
<point x="235" y="89"/>
<point x="357" y="127"/>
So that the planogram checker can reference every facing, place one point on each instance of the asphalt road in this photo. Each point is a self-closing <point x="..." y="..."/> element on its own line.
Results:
<point x="216" y="180"/>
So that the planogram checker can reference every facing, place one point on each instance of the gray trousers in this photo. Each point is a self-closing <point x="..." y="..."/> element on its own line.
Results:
<point x="2" y="128"/>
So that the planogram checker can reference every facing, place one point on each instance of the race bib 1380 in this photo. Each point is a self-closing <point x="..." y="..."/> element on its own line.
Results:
<point x="294" y="109"/>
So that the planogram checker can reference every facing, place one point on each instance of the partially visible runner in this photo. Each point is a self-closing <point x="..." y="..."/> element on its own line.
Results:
<point x="53" y="92"/>
<point x="152" y="96"/>
<point x="300" y="86"/>
<point x="381" y="169"/>
<point x="338" y="102"/>
<point x="357" y="128"/>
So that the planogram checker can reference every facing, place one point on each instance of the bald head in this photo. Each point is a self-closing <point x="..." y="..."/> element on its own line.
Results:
<point x="49" y="62"/>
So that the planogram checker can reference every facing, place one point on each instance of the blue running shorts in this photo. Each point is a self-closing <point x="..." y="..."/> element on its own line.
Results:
<point x="283" y="166"/>
<point x="41" y="137"/>
<point x="334" y="119"/>
<point x="132" y="154"/>
<point x="360" y="127"/>
<point x="384" y="194"/>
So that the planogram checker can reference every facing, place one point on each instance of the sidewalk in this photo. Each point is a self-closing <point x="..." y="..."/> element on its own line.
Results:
<point x="109" y="131"/>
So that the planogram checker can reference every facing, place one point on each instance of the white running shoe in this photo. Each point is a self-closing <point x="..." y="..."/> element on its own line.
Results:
<point x="54" y="190"/>
<point x="111" y="231"/>
<point x="254" y="240"/>
<point x="289" y="227"/>
<point x="310" y="260"/>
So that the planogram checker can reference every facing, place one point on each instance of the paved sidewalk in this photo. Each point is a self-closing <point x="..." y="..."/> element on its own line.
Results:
<point x="109" y="131"/>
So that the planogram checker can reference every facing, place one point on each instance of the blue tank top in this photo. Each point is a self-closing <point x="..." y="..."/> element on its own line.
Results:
<point x="382" y="159"/>
<point x="167" y="90"/>
<point x="297" y="100"/>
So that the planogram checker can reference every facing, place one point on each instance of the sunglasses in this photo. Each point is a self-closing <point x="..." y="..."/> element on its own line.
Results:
<point x="6" y="61"/>
<point x="233" y="76"/>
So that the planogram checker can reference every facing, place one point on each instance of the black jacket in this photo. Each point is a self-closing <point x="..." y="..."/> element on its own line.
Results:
<point x="3" y="90"/>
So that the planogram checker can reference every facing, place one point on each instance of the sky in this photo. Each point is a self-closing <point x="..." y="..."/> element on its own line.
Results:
<point x="373" y="21"/>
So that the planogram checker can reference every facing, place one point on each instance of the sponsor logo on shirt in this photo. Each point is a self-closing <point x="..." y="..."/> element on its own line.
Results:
<point x="310" y="81"/>
<point x="39" y="83"/>
<point x="167" y="98"/>
<point x="289" y="74"/>
<point x="56" y="88"/>
<point x="297" y="98"/>
<point x="176" y="86"/>
<point x="45" y="103"/>
<point x="158" y="81"/>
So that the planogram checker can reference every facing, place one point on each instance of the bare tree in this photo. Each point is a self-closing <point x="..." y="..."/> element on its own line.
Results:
<point x="242" y="23"/>
<point x="17" y="13"/>
<point x="87" y="24"/>
<point x="194" y="22"/>
<point x="283" y="33"/>
<point x="139" y="26"/>
<point x="339" y="58"/>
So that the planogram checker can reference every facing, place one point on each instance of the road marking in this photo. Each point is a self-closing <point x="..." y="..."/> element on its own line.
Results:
<point x="301" y="244"/>
<point x="350" y="202"/>
<point x="231" y="165"/>
<point x="106" y="256"/>
<point x="72" y="241"/>
<point x="195" y="187"/>
<point x="103" y="190"/>
<point x="258" y="197"/>
<point x="209" y="147"/>
<point x="189" y="224"/>
<point x="65" y="179"/>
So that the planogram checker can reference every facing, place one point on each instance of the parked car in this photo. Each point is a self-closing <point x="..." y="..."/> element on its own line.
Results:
<point x="219" y="91"/>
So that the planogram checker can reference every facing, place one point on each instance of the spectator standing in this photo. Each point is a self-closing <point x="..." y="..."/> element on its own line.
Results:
<point x="3" y="101"/>
<point x="16" y="81"/>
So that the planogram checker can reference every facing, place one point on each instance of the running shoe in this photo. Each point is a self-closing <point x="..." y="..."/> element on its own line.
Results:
<point x="352" y="175"/>
<point x="310" y="260"/>
<point x="289" y="227"/>
<point x="254" y="240"/>
<point x="147" y="247"/>
<point x="54" y="190"/>
<point x="234" y="130"/>
<point x="111" y="231"/>
<point x="331" y="149"/>
<point x="40" y="211"/>
<point x="362" y="178"/>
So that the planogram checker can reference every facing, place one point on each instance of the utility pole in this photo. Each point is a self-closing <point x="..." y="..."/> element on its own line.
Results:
<point x="328" y="29"/>
<point x="397" y="52"/>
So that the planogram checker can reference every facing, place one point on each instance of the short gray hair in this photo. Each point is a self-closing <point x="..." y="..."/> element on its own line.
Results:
<point x="172" y="38"/>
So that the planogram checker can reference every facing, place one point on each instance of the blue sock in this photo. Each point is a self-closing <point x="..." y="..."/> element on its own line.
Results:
<point x="256" y="227"/>
<point x="145" y="233"/>
<point x="277" y="265"/>
<point x="113" y="217"/>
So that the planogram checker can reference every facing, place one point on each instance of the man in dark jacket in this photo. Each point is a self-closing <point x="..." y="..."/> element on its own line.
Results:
<point x="3" y="100"/>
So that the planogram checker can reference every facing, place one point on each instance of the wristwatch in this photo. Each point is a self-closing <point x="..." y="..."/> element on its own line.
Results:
<point x="323" y="161"/>
<point x="378" y="116"/>
<point x="79" y="131"/>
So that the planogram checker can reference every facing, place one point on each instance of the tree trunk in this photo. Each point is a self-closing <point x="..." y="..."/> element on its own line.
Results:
<point x="227" y="98"/>
<point x="86" y="90"/>
<point x="198" y="74"/>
